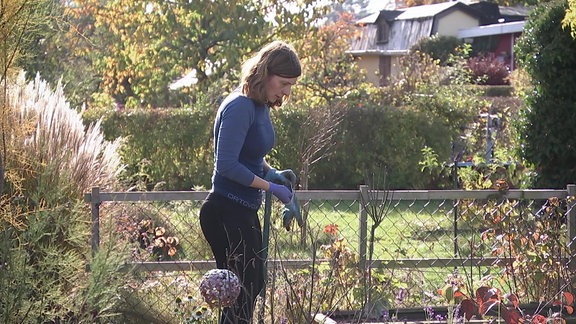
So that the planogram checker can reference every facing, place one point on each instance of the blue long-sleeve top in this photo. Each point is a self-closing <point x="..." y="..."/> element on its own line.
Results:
<point x="243" y="135"/>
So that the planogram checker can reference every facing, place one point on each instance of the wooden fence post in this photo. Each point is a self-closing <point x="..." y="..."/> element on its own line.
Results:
<point x="362" y="246"/>
<point x="363" y="227"/>
<point x="95" y="211"/>
<point x="571" y="226"/>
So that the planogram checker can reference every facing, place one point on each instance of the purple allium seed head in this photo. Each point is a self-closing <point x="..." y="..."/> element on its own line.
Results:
<point x="220" y="287"/>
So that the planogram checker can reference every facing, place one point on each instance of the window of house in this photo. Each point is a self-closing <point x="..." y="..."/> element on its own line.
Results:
<point x="383" y="32"/>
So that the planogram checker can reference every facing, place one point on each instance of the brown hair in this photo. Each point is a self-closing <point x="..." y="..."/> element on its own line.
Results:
<point x="277" y="58"/>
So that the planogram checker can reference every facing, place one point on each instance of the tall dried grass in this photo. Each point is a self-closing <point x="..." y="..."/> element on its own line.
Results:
<point x="51" y="159"/>
<point x="54" y="143"/>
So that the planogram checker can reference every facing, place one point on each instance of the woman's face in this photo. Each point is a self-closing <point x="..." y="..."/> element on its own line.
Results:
<point x="278" y="87"/>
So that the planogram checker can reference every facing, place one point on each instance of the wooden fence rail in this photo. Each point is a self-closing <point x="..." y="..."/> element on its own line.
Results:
<point x="95" y="198"/>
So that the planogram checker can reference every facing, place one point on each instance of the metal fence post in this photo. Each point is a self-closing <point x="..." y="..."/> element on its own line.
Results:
<point x="571" y="226"/>
<point x="95" y="211"/>
<point x="363" y="227"/>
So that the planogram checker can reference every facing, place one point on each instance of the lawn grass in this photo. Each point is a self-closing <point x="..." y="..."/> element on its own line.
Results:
<point x="409" y="230"/>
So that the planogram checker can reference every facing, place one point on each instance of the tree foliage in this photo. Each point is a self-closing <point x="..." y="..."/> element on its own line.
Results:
<point x="570" y="18"/>
<point x="20" y="22"/>
<point x="132" y="51"/>
<point x="548" y="123"/>
<point x="331" y="84"/>
<point x="439" y="92"/>
<point x="413" y="3"/>
<point x="357" y="8"/>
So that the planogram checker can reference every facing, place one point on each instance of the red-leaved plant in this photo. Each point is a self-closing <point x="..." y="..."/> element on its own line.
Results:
<point x="491" y="302"/>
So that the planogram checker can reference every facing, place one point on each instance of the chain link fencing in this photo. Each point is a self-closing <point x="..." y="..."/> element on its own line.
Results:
<point x="361" y="253"/>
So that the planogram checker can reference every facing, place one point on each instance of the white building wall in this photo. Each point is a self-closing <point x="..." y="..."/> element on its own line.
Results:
<point x="450" y="24"/>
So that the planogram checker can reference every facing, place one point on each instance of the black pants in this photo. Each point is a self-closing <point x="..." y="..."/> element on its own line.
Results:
<point x="235" y="236"/>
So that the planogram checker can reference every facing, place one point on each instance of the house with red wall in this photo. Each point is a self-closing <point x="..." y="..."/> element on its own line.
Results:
<point x="387" y="35"/>
<point x="499" y="39"/>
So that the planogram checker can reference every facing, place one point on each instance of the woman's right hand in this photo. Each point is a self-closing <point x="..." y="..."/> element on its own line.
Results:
<point x="281" y="192"/>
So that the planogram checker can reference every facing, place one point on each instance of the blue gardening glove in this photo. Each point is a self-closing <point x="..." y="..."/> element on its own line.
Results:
<point x="285" y="177"/>
<point x="291" y="211"/>
<point x="291" y="208"/>
<point x="281" y="192"/>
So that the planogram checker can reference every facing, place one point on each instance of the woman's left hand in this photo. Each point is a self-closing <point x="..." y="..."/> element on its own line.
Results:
<point x="286" y="177"/>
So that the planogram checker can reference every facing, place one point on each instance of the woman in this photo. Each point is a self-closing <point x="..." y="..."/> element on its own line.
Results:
<point x="243" y="136"/>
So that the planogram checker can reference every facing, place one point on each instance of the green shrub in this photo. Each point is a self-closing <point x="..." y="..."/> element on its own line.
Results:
<point x="377" y="136"/>
<point x="178" y="148"/>
<point x="164" y="148"/>
<point x="547" y="124"/>
<point x="377" y="127"/>
<point x="427" y="106"/>
<point x="439" y="47"/>
<point x="497" y="90"/>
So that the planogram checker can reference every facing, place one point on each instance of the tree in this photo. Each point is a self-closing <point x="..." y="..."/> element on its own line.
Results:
<point x="413" y="3"/>
<point x="331" y="84"/>
<point x="548" y="121"/>
<point x="570" y="18"/>
<point x="64" y="51"/>
<point x="131" y="51"/>
<point x="356" y="8"/>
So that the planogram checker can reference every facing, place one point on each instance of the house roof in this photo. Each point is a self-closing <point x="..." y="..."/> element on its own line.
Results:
<point x="388" y="15"/>
<point x="403" y="34"/>
<point x="494" y="29"/>
<point x="369" y="19"/>
<point x="407" y="27"/>
<point x="416" y="12"/>
<point x="428" y="11"/>
<point x="519" y="11"/>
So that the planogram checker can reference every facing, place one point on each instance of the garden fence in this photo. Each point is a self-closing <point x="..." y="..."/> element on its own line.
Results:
<point x="377" y="249"/>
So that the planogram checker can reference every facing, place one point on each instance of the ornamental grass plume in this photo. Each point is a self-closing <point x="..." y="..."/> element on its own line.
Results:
<point x="51" y="160"/>
<point x="56" y="149"/>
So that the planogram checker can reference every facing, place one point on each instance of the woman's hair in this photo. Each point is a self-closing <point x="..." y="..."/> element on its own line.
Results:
<point x="277" y="58"/>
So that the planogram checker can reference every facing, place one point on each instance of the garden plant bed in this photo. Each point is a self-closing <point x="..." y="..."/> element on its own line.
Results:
<point x="417" y="315"/>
